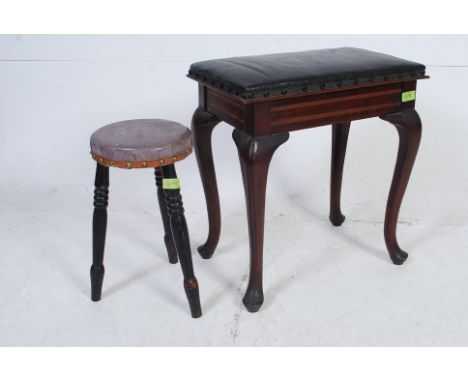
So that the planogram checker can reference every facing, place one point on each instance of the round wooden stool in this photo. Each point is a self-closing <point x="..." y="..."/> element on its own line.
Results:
<point x="144" y="143"/>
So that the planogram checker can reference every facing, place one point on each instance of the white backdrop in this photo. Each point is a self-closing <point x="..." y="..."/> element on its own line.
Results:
<point x="56" y="90"/>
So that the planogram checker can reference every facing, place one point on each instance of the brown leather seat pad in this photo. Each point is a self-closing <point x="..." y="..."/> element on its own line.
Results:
<point x="141" y="142"/>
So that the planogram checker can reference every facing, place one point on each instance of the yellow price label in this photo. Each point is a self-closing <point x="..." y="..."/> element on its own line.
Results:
<point x="171" y="184"/>
<point x="408" y="96"/>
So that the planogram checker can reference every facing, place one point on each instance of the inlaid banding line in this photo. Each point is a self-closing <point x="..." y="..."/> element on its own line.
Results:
<point x="335" y="100"/>
<point x="214" y="107"/>
<point x="225" y="106"/>
<point x="291" y="121"/>
<point x="225" y="99"/>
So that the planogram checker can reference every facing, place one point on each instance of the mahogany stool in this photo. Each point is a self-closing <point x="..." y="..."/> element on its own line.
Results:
<point x="144" y="143"/>
<point x="265" y="97"/>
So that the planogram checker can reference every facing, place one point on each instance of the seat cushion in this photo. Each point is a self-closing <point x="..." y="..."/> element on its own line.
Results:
<point x="141" y="143"/>
<point x="279" y="74"/>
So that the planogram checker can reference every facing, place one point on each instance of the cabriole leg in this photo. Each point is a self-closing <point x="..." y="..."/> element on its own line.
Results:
<point x="255" y="154"/>
<point x="340" y="133"/>
<point x="409" y="128"/>
<point x="203" y="124"/>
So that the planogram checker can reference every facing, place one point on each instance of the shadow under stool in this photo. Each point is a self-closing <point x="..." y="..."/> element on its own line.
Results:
<point x="144" y="143"/>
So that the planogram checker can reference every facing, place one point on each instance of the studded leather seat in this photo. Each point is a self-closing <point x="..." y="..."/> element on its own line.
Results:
<point x="141" y="143"/>
<point x="269" y="75"/>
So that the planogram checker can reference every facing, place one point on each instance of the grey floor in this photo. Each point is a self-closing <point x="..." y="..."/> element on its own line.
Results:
<point x="323" y="285"/>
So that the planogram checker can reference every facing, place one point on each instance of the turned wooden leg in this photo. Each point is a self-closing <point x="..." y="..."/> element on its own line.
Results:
<point x="203" y="124"/>
<point x="409" y="129"/>
<point x="168" y="240"/>
<point x="175" y="210"/>
<point x="340" y="133"/>
<point x="255" y="154"/>
<point x="101" y="193"/>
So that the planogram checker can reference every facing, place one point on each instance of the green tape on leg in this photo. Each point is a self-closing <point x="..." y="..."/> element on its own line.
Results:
<point x="408" y="96"/>
<point x="171" y="184"/>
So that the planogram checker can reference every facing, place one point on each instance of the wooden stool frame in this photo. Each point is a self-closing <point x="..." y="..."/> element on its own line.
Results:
<point x="176" y="235"/>
<point x="262" y="125"/>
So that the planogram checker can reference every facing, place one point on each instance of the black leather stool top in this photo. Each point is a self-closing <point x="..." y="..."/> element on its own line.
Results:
<point x="285" y="73"/>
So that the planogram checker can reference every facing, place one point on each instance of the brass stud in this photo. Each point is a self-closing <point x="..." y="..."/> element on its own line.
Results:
<point x="129" y="165"/>
<point x="161" y="161"/>
<point x="111" y="163"/>
<point x="100" y="160"/>
<point x="144" y="164"/>
<point x="174" y="158"/>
